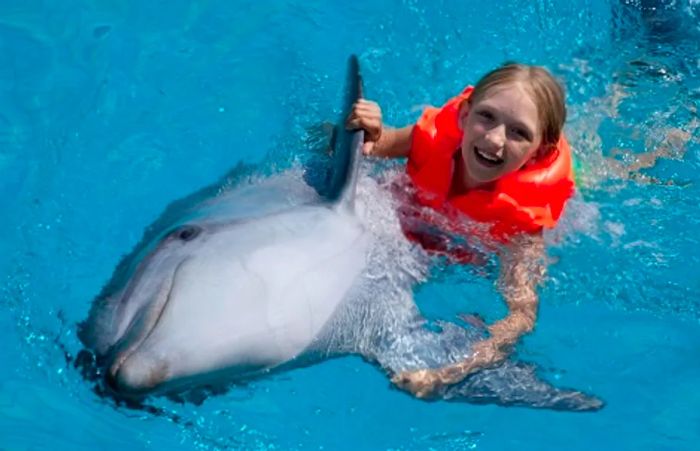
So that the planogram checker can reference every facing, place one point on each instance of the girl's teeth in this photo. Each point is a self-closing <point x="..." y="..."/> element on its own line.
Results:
<point x="486" y="156"/>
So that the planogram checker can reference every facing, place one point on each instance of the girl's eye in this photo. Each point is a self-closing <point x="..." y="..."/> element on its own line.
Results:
<point x="520" y="133"/>
<point x="486" y="115"/>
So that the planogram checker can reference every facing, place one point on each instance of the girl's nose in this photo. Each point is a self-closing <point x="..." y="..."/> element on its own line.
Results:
<point x="496" y="137"/>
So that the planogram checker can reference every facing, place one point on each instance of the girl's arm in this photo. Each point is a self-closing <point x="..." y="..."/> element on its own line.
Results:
<point x="393" y="143"/>
<point x="522" y="269"/>
<point x="380" y="141"/>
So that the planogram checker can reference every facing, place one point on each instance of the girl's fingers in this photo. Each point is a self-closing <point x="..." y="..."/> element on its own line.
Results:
<point x="371" y="126"/>
<point x="365" y="118"/>
<point x="367" y="113"/>
<point x="367" y="108"/>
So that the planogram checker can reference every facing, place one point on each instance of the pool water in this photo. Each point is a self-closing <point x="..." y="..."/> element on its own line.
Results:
<point x="109" y="111"/>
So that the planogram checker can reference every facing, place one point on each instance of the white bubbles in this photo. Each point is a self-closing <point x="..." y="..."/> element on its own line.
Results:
<point x="383" y="323"/>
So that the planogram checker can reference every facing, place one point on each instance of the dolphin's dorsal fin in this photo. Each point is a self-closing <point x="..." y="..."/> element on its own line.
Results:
<point x="348" y="145"/>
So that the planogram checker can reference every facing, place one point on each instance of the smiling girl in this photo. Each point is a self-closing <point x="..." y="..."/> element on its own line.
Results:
<point x="494" y="154"/>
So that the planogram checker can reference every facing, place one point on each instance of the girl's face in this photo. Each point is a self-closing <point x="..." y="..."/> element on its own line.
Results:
<point x="501" y="134"/>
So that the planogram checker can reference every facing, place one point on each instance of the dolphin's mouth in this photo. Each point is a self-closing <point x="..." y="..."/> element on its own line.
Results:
<point x="124" y="378"/>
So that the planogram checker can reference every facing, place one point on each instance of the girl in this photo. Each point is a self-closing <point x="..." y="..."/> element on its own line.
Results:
<point x="495" y="154"/>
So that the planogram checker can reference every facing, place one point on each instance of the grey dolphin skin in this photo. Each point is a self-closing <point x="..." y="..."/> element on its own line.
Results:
<point x="271" y="275"/>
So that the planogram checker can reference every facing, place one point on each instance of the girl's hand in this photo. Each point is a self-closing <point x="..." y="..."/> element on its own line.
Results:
<point x="366" y="115"/>
<point x="421" y="383"/>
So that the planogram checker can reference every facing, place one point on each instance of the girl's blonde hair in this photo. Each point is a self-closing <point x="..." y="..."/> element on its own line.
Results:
<point x="546" y="92"/>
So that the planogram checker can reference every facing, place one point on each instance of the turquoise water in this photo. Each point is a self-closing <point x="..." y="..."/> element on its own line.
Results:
<point x="110" y="111"/>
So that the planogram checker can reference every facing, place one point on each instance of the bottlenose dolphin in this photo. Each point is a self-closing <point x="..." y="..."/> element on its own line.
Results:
<point x="273" y="274"/>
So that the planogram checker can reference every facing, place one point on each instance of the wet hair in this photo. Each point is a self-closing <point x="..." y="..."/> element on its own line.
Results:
<point x="545" y="91"/>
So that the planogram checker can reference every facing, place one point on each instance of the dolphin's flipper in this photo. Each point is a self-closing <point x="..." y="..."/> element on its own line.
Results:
<point x="412" y="345"/>
<point x="517" y="384"/>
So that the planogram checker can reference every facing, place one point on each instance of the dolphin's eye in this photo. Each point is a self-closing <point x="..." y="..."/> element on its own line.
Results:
<point x="187" y="233"/>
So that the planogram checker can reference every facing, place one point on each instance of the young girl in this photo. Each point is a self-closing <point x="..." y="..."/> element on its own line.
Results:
<point x="495" y="154"/>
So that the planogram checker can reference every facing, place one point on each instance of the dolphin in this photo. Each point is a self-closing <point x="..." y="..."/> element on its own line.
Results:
<point x="275" y="274"/>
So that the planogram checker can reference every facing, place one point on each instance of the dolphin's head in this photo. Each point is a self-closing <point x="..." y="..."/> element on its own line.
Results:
<point x="126" y="314"/>
<point x="221" y="297"/>
<point x="199" y="285"/>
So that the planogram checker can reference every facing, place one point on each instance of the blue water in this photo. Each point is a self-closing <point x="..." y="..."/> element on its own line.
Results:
<point x="111" y="110"/>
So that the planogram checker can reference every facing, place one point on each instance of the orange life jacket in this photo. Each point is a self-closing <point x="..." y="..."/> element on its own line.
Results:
<point x="526" y="200"/>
